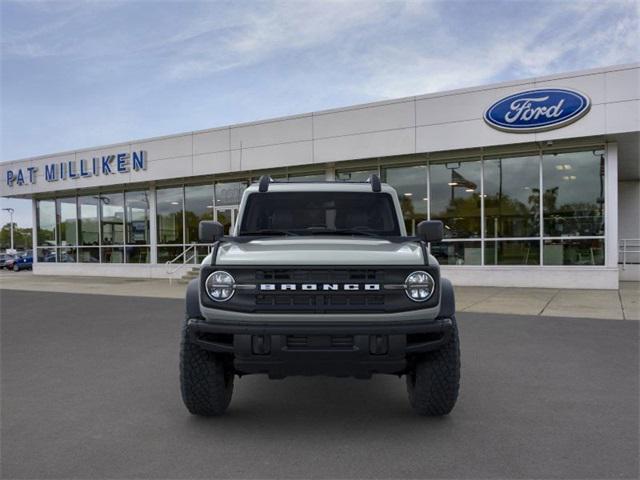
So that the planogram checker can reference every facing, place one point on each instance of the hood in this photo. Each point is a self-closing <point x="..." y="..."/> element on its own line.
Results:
<point x="320" y="251"/>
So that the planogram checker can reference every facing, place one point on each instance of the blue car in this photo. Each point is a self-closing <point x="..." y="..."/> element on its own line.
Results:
<point x="23" y="261"/>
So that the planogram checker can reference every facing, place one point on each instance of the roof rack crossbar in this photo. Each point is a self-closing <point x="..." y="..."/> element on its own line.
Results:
<point x="374" y="180"/>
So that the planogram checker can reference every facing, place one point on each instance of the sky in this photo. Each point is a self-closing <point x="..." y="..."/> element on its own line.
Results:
<point x="87" y="73"/>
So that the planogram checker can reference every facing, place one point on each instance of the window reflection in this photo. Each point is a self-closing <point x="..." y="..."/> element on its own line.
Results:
<point x="88" y="221"/>
<point x="512" y="252"/>
<point x="46" y="218"/>
<point x="355" y="175"/>
<point x="512" y="197"/>
<point x="457" y="253"/>
<point x="573" y="198"/>
<point x="137" y="217"/>
<point x="169" y="208"/>
<point x="455" y="198"/>
<point x="411" y="185"/>
<point x="574" y="252"/>
<point x="67" y="219"/>
<point x="198" y="206"/>
<point x="229" y="193"/>
<point x="112" y="218"/>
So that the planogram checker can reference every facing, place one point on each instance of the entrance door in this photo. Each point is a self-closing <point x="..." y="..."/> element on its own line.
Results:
<point x="227" y="217"/>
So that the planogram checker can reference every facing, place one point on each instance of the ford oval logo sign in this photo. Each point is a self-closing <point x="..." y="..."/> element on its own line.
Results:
<point x="537" y="110"/>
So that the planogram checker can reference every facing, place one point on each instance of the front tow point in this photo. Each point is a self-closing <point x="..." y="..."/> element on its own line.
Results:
<point x="261" y="344"/>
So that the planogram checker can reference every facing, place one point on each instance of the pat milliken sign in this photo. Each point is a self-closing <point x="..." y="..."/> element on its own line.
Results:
<point x="105" y="165"/>
<point x="537" y="110"/>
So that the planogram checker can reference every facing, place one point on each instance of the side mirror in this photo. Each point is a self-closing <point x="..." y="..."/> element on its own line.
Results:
<point x="210" y="232"/>
<point x="430" y="230"/>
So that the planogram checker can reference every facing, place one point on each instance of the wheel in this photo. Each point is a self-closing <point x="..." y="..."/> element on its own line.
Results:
<point x="16" y="268"/>
<point x="206" y="383"/>
<point x="434" y="381"/>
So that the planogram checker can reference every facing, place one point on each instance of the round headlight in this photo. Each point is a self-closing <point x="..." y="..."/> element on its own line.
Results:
<point x="419" y="286"/>
<point x="220" y="286"/>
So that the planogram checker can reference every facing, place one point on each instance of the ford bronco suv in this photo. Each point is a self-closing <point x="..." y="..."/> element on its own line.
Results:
<point x="320" y="278"/>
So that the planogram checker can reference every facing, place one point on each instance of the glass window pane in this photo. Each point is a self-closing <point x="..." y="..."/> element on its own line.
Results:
<point x="88" y="221"/>
<point x="137" y="254"/>
<point x="112" y="218"/>
<point x="573" y="198"/>
<point x="574" y="252"/>
<point x="137" y="217"/>
<point x="166" y="254"/>
<point x="111" y="254"/>
<point x="66" y="255"/>
<point x="308" y="177"/>
<point x="198" y="206"/>
<point x="46" y="222"/>
<point x="411" y="185"/>
<point x="47" y="255"/>
<point x="67" y="219"/>
<point x="169" y="207"/>
<point x="355" y="176"/>
<point x="512" y="197"/>
<point x="229" y="193"/>
<point x="455" y="198"/>
<point x="513" y="252"/>
<point x="457" y="253"/>
<point x="89" y="255"/>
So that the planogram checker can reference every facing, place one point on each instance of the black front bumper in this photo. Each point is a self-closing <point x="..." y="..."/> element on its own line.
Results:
<point x="356" y="350"/>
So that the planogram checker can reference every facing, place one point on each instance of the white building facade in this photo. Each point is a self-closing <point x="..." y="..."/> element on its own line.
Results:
<point x="537" y="181"/>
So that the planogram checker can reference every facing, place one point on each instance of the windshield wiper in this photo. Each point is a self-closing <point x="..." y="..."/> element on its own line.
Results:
<point x="269" y="231"/>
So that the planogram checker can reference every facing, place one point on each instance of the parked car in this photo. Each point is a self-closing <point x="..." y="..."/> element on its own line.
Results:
<point x="4" y="258"/>
<point x="23" y="261"/>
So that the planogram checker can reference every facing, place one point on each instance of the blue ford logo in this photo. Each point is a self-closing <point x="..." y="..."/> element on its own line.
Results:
<point x="537" y="110"/>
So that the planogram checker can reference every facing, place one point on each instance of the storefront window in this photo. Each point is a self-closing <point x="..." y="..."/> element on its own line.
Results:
<point x="198" y="206"/>
<point x="137" y="217"/>
<point x="46" y="217"/>
<point x="137" y="254"/>
<point x="455" y="198"/>
<point x="573" y="251"/>
<point x="355" y="175"/>
<point x="512" y="197"/>
<point x="229" y="193"/>
<point x="112" y="255"/>
<point x="166" y="254"/>
<point x="512" y="252"/>
<point x="169" y="207"/>
<point x="89" y="254"/>
<point x="457" y="253"/>
<point x="411" y="185"/>
<point x="573" y="198"/>
<point x="67" y="221"/>
<point x="112" y="218"/>
<point x="308" y="177"/>
<point x="88" y="221"/>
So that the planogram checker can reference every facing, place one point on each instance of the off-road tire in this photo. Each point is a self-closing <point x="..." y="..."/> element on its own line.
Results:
<point x="206" y="383"/>
<point x="434" y="381"/>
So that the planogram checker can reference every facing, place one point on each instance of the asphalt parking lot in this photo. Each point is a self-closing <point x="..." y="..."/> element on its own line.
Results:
<point x="90" y="390"/>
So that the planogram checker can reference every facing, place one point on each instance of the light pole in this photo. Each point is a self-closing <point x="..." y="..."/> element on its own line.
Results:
<point x="10" y="210"/>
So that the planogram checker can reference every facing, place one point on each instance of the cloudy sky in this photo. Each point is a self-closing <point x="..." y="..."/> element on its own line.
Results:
<point x="80" y="74"/>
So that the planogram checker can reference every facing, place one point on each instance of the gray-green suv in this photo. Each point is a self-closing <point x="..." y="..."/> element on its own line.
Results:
<point x="320" y="278"/>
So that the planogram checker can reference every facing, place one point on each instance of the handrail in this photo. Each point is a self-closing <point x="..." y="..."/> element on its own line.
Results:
<point x="185" y="261"/>
<point x="628" y="245"/>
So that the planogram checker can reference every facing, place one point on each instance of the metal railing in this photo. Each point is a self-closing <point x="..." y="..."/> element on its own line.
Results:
<point x="189" y="257"/>
<point x="628" y="246"/>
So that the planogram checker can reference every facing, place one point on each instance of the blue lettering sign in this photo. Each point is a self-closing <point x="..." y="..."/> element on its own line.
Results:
<point x="106" y="164"/>
<point x="537" y="110"/>
<point x="10" y="178"/>
<point x="139" y="160"/>
<point x="122" y="164"/>
<point x="32" y="174"/>
<point x="83" y="170"/>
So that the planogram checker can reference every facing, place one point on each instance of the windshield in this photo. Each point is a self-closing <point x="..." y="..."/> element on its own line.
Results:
<point x="319" y="213"/>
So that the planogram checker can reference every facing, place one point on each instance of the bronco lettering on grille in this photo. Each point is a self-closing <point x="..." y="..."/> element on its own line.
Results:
<point x="319" y="286"/>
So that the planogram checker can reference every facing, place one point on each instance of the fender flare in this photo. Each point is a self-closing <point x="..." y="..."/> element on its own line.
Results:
<point x="192" y="299"/>
<point x="447" y="299"/>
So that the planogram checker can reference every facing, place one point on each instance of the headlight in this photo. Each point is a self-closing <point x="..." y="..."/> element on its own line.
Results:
<point x="419" y="286"/>
<point x="220" y="286"/>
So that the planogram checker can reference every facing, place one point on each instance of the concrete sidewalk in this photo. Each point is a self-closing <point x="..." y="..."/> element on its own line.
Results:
<point x="607" y="304"/>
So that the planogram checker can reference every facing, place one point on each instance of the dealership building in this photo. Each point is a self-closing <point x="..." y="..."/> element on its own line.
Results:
<point x="537" y="182"/>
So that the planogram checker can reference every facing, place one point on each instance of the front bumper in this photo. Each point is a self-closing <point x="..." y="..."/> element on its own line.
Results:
<point x="356" y="349"/>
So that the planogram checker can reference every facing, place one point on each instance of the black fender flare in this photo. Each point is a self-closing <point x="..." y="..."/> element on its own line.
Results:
<point x="192" y="299"/>
<point x="447" y="299"/>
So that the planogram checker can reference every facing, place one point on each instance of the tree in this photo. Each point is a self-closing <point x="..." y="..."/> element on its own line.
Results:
<point x="22" y="237"/>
